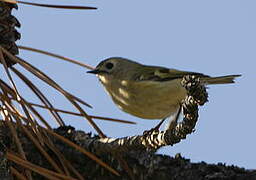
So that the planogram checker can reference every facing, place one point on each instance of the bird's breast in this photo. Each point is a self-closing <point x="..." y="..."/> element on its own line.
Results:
<point x="146" y="99"/>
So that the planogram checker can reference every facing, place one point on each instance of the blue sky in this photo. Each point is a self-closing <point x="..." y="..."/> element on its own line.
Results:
<point x="213" y="37"/>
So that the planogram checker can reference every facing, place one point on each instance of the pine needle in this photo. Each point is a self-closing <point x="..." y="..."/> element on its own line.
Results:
<point x="58" y="6"/>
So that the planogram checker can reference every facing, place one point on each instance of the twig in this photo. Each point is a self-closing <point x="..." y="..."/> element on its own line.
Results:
<point x="153" y="140"/>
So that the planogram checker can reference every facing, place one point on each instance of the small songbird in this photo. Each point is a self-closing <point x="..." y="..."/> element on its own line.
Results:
<point x="148" y="92"/>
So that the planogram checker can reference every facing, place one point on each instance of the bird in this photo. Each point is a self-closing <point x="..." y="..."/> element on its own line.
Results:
<point x="148" y="92"/>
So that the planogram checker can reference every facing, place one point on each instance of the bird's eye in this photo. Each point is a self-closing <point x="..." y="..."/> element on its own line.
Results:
<point x="109" y="65"/>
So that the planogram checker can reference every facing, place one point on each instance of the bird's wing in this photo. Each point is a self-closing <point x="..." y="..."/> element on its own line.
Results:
<point x="153" y="73"/>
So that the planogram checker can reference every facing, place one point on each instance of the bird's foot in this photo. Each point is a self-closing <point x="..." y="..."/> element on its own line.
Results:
<point x="155" y="128"/>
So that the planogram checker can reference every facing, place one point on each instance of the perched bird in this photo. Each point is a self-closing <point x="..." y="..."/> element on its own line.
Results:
<point x="148" y="92"/>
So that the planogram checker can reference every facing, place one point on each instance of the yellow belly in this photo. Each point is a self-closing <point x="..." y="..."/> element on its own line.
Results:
<point x="146" y="99"/>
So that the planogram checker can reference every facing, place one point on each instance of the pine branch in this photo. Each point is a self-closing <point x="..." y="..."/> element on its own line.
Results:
<point x="153" y="140"/>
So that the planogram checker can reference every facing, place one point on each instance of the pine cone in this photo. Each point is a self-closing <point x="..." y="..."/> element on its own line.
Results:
<point x="8" y="34"/>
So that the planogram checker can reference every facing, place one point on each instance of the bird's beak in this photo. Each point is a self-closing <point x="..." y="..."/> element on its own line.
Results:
<point x="95" y="71"/>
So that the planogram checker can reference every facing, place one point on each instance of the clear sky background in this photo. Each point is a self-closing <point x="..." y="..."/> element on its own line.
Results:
<point x="214" y="37"/>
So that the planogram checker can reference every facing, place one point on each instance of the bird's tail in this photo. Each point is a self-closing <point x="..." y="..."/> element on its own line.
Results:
<point x="221" y="79"/>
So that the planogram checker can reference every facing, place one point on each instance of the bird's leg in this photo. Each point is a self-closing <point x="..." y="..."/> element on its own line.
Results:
<point x="173" y="122"/>
<point x="159" y="124"/>
<point x="171" y="125"/>
<point x="155" y="128"/>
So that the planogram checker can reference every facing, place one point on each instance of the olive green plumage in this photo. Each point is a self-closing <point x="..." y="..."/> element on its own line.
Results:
<point x="149" y="92"/>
